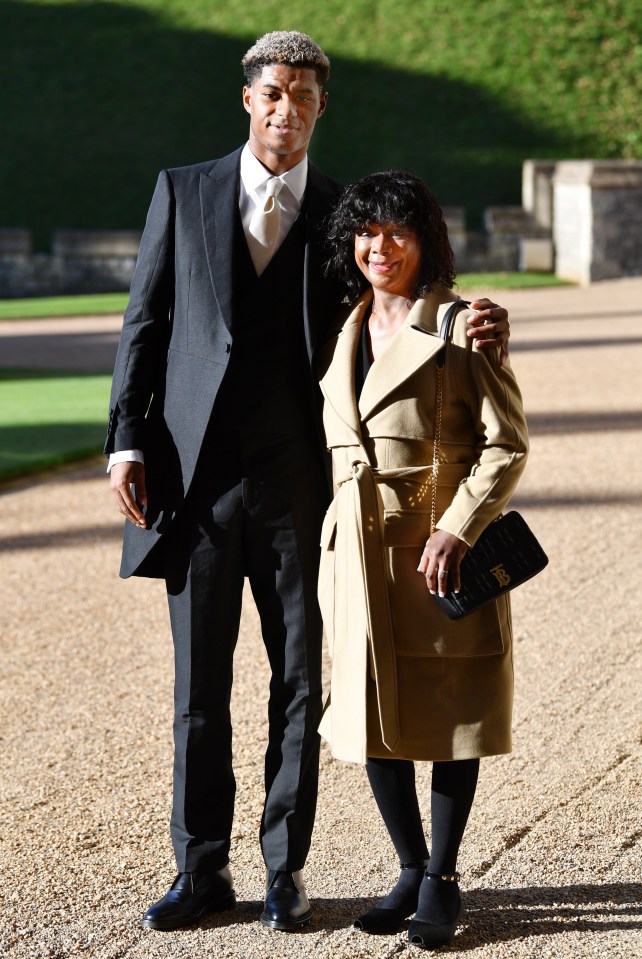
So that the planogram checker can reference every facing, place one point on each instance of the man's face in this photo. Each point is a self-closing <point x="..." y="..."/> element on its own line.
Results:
<point x="284" y="103"/>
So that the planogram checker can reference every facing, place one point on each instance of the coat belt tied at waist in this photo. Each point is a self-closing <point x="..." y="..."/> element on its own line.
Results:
<point x="369" y="560"/>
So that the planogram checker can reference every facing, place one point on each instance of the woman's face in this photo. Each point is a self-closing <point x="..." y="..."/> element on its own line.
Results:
<point x="389" y="257"/>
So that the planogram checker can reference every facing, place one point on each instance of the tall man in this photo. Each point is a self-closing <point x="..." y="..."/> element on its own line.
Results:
<point x="217" y="461"/>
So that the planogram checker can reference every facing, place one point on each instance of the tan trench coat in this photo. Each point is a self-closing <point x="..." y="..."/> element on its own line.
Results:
<point x="407" y="682"/>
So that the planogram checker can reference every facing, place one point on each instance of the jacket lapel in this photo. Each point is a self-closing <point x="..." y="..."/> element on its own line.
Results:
<point x="412" y="346"/>
<point x="319" y="200"/>
<point x="337" y="380"/>
<point x="219" y="204"/>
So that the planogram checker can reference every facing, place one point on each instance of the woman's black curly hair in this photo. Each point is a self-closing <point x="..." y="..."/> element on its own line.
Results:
<point x="384" y="198"/>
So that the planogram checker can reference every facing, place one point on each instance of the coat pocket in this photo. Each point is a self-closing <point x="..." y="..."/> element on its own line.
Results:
<point x="420" y="627"/>
<point x="327" y="568"/>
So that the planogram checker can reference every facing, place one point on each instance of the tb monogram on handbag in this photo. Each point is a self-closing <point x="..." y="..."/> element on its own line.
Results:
<point x="506" y="554"/>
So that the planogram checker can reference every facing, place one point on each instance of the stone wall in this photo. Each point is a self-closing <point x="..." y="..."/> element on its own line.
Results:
<point x="94" y="261"/>
<point x="582" y="218"/>
<point x="81" y="261"/>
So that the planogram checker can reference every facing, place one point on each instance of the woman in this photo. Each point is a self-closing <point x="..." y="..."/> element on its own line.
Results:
<point x="407" y="682"/>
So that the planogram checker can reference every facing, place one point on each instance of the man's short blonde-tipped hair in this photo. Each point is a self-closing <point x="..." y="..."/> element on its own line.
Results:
<point x="289" y="47"/>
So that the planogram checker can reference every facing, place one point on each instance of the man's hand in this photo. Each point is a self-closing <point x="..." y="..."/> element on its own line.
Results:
<point x="490" y="327"/>
<point x="440" y="561"/>
<point x="127" y="484"/>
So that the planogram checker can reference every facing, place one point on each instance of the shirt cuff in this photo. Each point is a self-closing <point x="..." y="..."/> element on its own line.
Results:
<point x="125" y="456"/>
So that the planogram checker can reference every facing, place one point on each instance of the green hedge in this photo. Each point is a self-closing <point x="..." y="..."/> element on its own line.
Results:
<point x="97" y="97"/>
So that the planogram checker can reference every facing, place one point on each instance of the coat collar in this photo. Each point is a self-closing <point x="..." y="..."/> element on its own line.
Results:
<point x="414" y="344"/>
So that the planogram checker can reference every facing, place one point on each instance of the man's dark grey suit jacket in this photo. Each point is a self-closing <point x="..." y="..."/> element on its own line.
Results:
<point x="178" y="332"/>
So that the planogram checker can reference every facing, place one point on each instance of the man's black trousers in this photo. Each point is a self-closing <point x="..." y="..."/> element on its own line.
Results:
<point x="254" y="511"/>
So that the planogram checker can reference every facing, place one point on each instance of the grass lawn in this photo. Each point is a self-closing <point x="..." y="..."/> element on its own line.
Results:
<point x="38" y="307"/>
<point x="508" y="281"/>
<point x="49" y="418"/>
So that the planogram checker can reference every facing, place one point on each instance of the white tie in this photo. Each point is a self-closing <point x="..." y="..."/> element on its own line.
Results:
<point x="264" y="225"/>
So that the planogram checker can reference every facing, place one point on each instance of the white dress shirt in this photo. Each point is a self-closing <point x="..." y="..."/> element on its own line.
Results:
<point x="254" y="177"/>
<point x="252" y="189"/>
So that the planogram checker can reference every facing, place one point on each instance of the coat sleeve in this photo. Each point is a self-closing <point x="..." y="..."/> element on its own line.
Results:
<point x="494" y="400"/>
<point x="142" y="351"/>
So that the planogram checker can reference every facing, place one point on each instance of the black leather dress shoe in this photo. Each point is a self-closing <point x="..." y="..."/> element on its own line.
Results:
<point x="286" y="903"/>
<point x="191" y="896"/>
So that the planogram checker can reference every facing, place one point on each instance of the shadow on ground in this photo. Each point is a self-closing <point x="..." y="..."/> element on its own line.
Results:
<point x="492" y="915"/>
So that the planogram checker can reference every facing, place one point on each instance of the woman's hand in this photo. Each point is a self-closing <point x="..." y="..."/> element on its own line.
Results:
<point x="440" y="561"/>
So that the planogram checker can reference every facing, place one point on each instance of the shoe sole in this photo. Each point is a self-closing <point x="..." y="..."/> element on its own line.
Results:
<point x="439" y="934"/>
<point x="380" y="931"/>
<point x="374" y="924"/>
<point x="287" y="925"/>
<point x="222" y="906"/>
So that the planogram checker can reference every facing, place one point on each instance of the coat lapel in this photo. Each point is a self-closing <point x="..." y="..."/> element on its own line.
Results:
<point x="337" y="381"/>
<point x="414" y="344"/>
<point x="219" y="204"/>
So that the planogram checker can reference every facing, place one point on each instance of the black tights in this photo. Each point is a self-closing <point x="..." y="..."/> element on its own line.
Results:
<point x="452" y="793"/>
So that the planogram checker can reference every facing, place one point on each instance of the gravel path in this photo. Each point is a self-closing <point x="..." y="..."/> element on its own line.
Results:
<point x="72" y="343"/>
<point x="552" y="856"/>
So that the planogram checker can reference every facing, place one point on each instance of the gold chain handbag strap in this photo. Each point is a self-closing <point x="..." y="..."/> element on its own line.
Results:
<point x="436" y="442"/>
<point x="444" y="334"/>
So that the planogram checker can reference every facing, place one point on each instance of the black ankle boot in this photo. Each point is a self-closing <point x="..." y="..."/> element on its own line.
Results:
<point x="192" y="896"/>
<point x="401" y="902"/>
<point x="286" y="902"/>
<point x="437" y="916"/>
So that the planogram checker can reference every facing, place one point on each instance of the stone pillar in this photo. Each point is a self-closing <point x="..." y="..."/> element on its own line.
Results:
<point x="597" y="219"/>
<point x="455" y="217"/>
<point x="537" y="190"/>
<point x="509" y="229"/>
